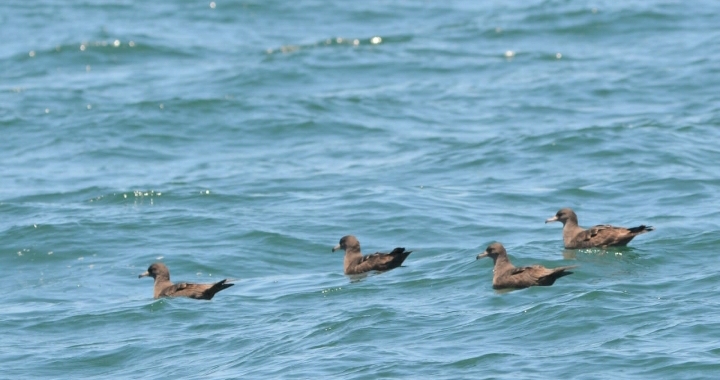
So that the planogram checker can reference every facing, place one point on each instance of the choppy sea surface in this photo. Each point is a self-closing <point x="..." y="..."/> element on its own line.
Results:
<point x="243" y="139"/>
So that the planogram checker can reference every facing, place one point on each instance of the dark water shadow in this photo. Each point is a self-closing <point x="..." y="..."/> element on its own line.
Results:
<point x="358" y="277"/>
<point x="618" y="252"/>
<point x="505" y="291"/>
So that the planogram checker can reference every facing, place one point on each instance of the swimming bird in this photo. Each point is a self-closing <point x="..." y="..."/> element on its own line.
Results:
<point x="508" y="276"/>
<point x="165" y="288"/>
<point x="356" y="263"/>
<point x="603" y="236"/>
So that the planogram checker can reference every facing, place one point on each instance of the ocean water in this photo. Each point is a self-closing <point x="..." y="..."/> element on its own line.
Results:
<point x="242" y="139"/>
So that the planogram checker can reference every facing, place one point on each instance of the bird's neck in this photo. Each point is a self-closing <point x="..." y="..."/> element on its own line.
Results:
<point x="502" y="262"/>
<point x="571" y="223"/>
<point x="352" y="256"/>
<point x="162" y="280"/>
<point x="570" y="230"/>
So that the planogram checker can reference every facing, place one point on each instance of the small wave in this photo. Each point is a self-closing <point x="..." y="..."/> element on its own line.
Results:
<point x="338" y="42"/>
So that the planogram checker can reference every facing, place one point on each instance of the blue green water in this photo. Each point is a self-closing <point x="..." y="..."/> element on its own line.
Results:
<point x="243" y="139"/>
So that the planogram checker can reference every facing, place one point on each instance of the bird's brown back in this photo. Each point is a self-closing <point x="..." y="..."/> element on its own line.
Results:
<point x="509" y="276"/>
<point x="378" y="262"/>
<point x="604" y="236"/>
<point x="190" y="290"/>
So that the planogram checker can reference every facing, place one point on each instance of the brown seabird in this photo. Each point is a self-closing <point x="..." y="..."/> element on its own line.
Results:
<point x="356" y="263"/>
<point x="507" y="276"/>
<point x="165" y="288"/>
<point x="603" y="236"/>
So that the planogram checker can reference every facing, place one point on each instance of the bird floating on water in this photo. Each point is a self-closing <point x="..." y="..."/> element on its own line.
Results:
<point x="356" y="263"/>
<point x="165" y="288"/>
<point x="603" y="235"/>
<point x="508" y="276"/>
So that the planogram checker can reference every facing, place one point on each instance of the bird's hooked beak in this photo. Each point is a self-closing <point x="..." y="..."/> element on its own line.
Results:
<point x="480" y="256"/>
<point x="553" y="219"/>
<point x="335" y="248"/>
<point x="141" y="275"/>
